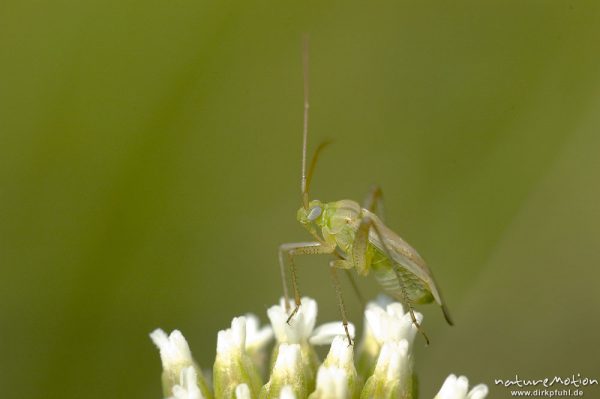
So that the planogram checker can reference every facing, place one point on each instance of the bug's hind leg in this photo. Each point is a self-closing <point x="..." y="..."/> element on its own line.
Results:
<point x="291" y="250"/>
<point x="407" y="302"/>
<point x="374" y="201"/>
<point x="359" y="256"/>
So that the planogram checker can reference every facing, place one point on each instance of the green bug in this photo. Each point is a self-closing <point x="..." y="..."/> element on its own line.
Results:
<point x="359" y="240"/>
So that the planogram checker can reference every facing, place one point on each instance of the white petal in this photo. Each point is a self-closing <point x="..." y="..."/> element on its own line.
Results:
<point x="478" y="392"/>
<point x="340" y="354"/>
<point x="289" y="360"/>
<point x="454" y="388"/>
<point x="242" y="392"/>
<point x="256" y="338"/>
<point x="391" y="324"/>
<point x="234" y="338"/>
<point x="287" y="393"/>
<point x="393" y="360"/>
<point x="300" y="327"/>
<point x="174" y="349"/>
<point x="325" y="333"/>
<point x="332" y="383"/>
<point x="188" y="386"/>
<point x="287" y="370"/>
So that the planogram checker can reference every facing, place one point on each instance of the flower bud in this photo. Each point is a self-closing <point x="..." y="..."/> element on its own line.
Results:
<point x="233" y="366"/>
<point x="176" y="360"/>
<point x="287" y="370"/>
<point x="392" y="378"/>
<point x="456" y="388"/>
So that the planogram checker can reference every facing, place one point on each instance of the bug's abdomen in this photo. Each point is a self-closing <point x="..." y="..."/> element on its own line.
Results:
<point x="415" y="289"/>
<point x="388" y="280"/>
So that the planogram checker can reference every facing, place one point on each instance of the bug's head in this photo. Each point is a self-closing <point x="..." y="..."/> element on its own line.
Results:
<point x="311" y="215"/>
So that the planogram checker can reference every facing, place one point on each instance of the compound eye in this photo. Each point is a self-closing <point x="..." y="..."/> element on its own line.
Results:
<point x="314" y="213"/>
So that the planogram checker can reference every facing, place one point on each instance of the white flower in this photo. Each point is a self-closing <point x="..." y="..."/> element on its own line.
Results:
<point x="288" y="363"/>
<point x="340" y="354"/>
<point x="256" y="338"/>
<point x="336" y="378"/>
<point x="174" y="350"/>
<point x="287" y="370"/>
<point x="392" y="377"/>
<point x="391" y="323"/>
<point x="244" y="334"/>
<point x="385" y="321"/>
<point x="233" y="339"/>
<point x="393" y="362"/>
<point x="176" y="359"/>
<point x="302" y="326"/>
<point x="457" y="387"/>
<point x="188" y="385"/>
<point x="233" y="366"/>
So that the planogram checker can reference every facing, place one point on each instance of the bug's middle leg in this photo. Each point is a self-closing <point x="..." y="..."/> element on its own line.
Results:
<point x="341" y="263"/>
<point x="291" y="250"/>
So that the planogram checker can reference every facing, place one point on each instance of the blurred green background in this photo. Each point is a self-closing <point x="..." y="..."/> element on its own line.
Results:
<point x="150" y="162"/>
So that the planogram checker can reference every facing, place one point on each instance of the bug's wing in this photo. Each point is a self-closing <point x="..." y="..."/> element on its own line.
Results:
<point x="406" y="257"/>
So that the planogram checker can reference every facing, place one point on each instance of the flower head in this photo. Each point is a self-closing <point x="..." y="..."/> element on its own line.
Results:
<point x="385" y="359"/>
<point x="456" y="388"/>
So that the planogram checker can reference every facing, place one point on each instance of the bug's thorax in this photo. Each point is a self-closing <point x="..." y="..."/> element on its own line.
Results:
<point x="334" y="223"/>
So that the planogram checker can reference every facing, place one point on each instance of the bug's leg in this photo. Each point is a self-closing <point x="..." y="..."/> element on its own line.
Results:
<point x="294" y="249"/>
<point x="355" y="288"/>
<point x="374" y="201"/>
<point x="360" y="297"/>
<point x="284" y="282"/>
<point x="334" y="265"/>
<point x="359" y="253"/>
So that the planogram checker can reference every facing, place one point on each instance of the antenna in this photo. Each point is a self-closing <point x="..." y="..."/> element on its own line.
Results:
<point x="303" y="185"/>
<point x="307" y="177"/>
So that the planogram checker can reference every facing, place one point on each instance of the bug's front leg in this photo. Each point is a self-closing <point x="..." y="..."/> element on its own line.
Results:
<point x="291" y="250"/>
<point x="374" y="203"/>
